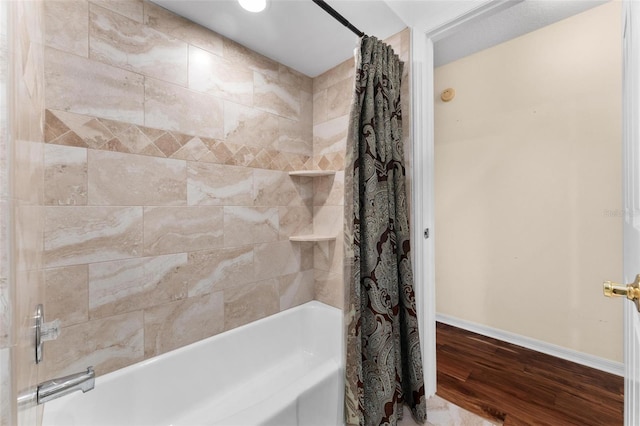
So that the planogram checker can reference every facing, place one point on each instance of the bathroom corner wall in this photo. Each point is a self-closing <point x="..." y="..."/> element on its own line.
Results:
<point x="168" y="200"/>
<point x="332" y="98"/>
<point x="21" y="210"/>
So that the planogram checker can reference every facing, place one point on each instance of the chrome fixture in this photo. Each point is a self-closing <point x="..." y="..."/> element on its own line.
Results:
<point x="55" y="388"/>
<point x="44" y="331"/>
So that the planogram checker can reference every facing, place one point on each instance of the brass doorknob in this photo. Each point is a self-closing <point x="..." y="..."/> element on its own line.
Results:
<point x="630" y="291"/>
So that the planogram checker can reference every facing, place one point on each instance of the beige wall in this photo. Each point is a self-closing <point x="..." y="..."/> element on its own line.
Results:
<point x="528" y="185"/>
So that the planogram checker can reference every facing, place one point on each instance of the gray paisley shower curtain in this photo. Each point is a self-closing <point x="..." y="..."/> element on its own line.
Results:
<point x="384" y="363"/>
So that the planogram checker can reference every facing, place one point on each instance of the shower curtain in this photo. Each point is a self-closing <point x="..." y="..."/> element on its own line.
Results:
<point x="384" y="363"/>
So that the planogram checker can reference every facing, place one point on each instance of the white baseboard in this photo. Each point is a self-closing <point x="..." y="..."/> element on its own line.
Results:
<point x="592" y="361"/>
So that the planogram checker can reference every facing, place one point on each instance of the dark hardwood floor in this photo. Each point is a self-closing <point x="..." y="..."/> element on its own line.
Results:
<point x="518" y="386"/>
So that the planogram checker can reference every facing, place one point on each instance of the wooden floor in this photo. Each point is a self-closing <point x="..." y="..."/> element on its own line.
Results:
<point x="518" y="386"/>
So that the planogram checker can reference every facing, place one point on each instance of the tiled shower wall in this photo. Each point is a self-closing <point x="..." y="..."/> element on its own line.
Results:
<point x="6" y="290"/>
<point x="168" y="202"/>
<point x="21" y="195"/>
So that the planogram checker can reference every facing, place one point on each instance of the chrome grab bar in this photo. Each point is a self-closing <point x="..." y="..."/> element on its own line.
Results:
<point x="55" y="388"/>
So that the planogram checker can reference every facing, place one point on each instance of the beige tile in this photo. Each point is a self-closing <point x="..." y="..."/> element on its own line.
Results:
<point x="6" y="324"/>
<point x="107" y="344"/>
<point x="250" y="126"/>
<point x="212" y="74"/>
<point x="306" y="255"/>
<point x="148" y="181"/>
<point x="295" y="136"/>
<point x="329" y="190"/>
<point x="119" y="41"/>
<point x="219" y="152"/>
<point x="250" y="302"/>
<point x="250" y="225"/>
<point x="182" y="229"/>
<point x="173" y="325"/>
<point x="6" y="397"/>
<point x="275" y="188"/>
<point x="167" y="144"/>
<point x="133" y="284"/>
<point x="295" y="289"/>
<point x="306" y="108"/>
<point x="67" y="294"/>
<point x="328" y="220"/>
<point x="28" y="230"/>
<point x="330" y="136"/>
<point x="132" y="9"/>
<point x="329" y="255"/>
<point x="329" y="288"/>
<point x="241" y="55"/>
<point x="330" y="161"/>
<point x="21" y="52"/>
<point x="340" y="98"/>
<point x="172" y="24"/>
<point x="59" y="122"/>
<point x="67" y="26"/>
<point x="276" y="259"/>
<point x="171" y="107"/>
<point x="28" y="169"/>
<point x="294" y="78"/>
<point x="65" y="175"/>
<point x="320" y="112"/>
<point x="213" y="270"/>
<point x="405" y="36"/>
<point x="77" y="235"/>
<point x="275" y="97"/>
<point x="193" y="150"/>
<point x="91" y="131"/>
<point x="295" y="220"/>
<point x="216" y="184"/>
<point x="129" y="137"/>
<point x="340" y="72"/>
<point x="86" y="87"/>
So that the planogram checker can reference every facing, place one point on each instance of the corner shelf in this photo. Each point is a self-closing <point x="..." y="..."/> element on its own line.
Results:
<point x="312" y="173"/>
<point x="311" y="238"/>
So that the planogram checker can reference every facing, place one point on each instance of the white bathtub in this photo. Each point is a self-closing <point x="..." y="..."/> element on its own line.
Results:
<point x="282" y="370"/>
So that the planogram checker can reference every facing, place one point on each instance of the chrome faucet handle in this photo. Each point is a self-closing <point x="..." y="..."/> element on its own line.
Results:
<point x="44" y="331"/>
<point x="50" y="330"/>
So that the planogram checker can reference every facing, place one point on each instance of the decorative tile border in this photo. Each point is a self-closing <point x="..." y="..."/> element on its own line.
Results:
<point x="70" y="129"/>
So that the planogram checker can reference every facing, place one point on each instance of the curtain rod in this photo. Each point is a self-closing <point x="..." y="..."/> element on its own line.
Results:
<point x="331" y="11"/>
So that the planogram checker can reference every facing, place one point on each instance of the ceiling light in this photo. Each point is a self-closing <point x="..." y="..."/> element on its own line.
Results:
<point x="253" y="5"/>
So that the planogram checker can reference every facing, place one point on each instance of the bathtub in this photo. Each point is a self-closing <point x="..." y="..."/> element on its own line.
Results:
<point x="283" y="370"/>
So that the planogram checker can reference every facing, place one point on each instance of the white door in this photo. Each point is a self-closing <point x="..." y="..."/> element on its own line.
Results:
<point x="631" y="178"/>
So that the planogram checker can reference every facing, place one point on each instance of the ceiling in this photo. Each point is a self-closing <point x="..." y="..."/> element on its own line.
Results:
<point x="301" y="35"/>
<point x="521" y="18"/>
<point x="297" y="33"/>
